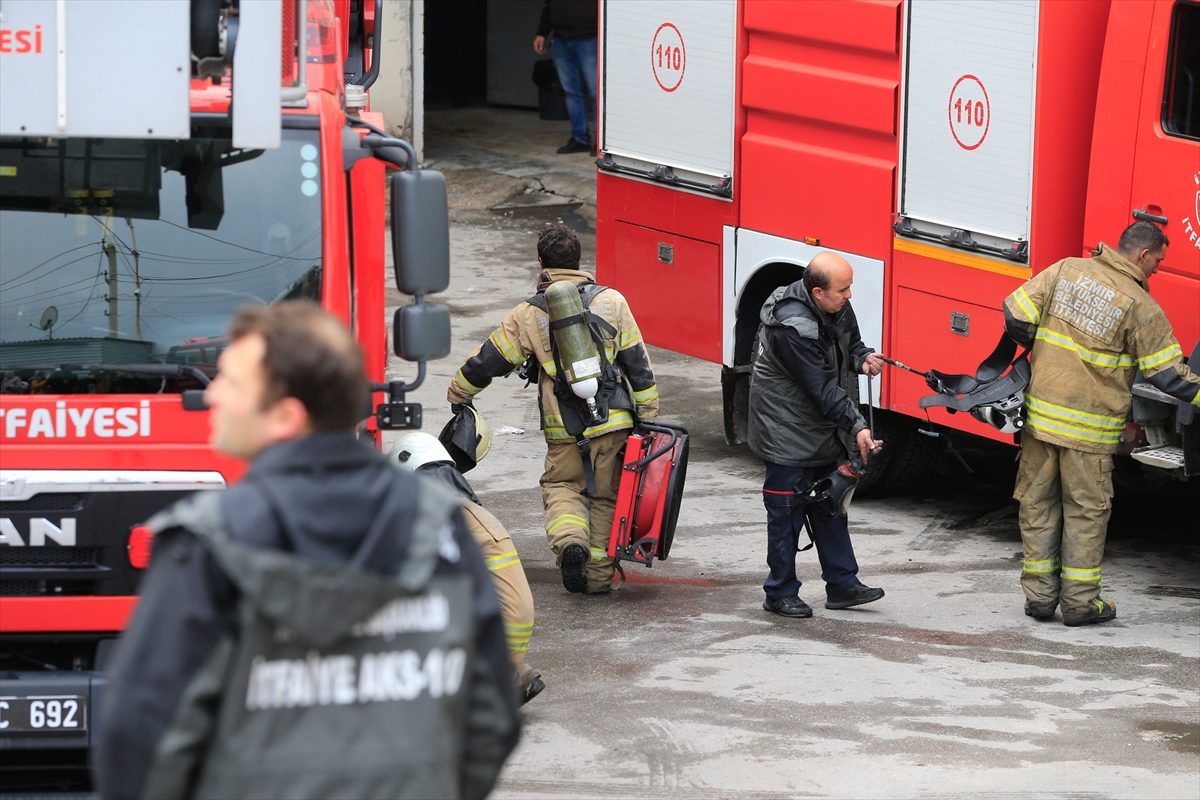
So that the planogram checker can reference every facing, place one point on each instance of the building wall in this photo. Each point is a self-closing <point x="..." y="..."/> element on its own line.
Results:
<point x="393" y="93"/>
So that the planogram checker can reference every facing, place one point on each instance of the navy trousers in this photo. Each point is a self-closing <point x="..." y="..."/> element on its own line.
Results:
<point x="831" y="535"/>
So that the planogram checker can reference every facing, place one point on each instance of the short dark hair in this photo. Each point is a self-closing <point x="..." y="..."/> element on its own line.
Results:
<point x="816" y="278"/>
<point x="310" y="356"/>
<point x="558" y="247"/>
<point x="1142" y="236"/>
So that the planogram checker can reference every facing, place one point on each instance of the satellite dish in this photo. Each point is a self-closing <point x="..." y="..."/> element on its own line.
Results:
<point x="49" y="318"/>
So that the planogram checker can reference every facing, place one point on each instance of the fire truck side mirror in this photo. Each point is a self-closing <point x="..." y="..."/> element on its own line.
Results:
<point x="420" y="232"/>
<point x="421" y="332"/>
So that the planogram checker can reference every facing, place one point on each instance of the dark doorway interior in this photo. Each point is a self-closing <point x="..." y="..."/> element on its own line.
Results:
<point x="455" y="53"/>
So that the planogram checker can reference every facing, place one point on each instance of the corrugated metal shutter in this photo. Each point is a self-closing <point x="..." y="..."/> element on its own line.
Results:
<point x="667" y="86"/>
<point x="968" y="138"/>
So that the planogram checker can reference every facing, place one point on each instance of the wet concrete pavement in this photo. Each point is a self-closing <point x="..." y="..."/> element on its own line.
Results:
<point x="680" y="685"/>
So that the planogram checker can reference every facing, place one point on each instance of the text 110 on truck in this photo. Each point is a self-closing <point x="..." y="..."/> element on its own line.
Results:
<point x="948" y="149"/>
<point x="162" y="164"/>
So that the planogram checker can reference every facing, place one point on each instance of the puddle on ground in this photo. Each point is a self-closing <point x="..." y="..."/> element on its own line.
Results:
<point x="564" y="213"/>
<point x="1178" y="736"/>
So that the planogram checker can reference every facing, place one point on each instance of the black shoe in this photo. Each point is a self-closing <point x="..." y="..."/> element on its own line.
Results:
<point x="573" y="559"/>
<point x="534" y="689"/>
<point x="573" y="145"/>
<point x="1106" y="612"/>
<point x="856" y="595"/>
<point x="787" y="607"/>
<point x="1040" y="613"/>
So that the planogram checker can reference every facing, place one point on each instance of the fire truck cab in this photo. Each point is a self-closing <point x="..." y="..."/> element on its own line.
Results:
<point x="162" y="164"/>
<point x="947" y="149"/>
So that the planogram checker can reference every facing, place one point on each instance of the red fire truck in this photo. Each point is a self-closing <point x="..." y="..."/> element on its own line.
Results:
<point x="947" y="149"/>
<point x="124" y="251"/>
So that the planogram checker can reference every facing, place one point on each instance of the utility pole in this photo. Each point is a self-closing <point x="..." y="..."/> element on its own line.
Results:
<point x="137" y="282"/>
<point x="110" y="250"/>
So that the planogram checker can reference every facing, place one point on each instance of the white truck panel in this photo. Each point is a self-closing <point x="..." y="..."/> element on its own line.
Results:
<point x="682" y="118"/>
<point x="972" y="172"/>
<point x="124" y="70"/>
<point x="756" y="250"/>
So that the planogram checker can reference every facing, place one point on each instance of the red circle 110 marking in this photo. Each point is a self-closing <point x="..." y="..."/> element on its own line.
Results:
<point x="668" y="57"/>
<point x="970" y="112"/>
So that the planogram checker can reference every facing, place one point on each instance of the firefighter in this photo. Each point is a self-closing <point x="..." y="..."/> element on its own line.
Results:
<point x="1092" y="326"/>
<point x="583" y="448"/>
<point x="804" y="422"/>
<point x="301" y="545"/>
<point x="423" y="454"/>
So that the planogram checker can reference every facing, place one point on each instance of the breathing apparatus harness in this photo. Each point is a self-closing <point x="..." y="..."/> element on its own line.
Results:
<point x="602" y="380"/>
<point x="994" y="395"/>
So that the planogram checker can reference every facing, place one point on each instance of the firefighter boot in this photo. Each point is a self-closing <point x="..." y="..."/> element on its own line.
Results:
<point x="573" y="560"/>
<point x="1099" y="610"/>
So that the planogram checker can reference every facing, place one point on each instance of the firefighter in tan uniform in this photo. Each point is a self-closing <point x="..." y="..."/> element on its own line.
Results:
<point x="583" y="469"/>
<point x="424" y="454"/>
<point x="1092" y="326"/>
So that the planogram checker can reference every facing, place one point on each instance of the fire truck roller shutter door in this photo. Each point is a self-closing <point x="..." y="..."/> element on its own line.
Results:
<point x="668" y="86"/>
<point x="969" y="119"/>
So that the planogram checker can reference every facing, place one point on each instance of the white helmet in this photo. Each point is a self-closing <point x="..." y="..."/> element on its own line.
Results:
<point x="417" y="449"/>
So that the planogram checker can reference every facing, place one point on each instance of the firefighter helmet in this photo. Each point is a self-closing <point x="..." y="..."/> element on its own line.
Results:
<point x="466" y="437"/>
<point x="418" y="449"/>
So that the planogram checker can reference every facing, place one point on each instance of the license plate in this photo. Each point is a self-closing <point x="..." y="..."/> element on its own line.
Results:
<point x="53" y="713"/>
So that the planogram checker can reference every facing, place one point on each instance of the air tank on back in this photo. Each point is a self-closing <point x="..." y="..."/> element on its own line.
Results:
<point x="576" y="349"/>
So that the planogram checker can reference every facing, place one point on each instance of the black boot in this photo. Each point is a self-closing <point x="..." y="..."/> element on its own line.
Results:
<point x="574" y="558"/>
<point x="856" y="595"/>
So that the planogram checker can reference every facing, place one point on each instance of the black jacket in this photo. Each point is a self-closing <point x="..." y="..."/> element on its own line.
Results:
<point x="329" y="489"/>
<point x="568" y="19"/>
<point x="804" y="385"/>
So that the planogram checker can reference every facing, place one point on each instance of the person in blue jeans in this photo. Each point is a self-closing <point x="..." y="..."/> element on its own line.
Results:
<point x="573" y="23"/>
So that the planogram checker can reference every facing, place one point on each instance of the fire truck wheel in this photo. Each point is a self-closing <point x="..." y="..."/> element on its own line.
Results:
<point x="906" y="460"/>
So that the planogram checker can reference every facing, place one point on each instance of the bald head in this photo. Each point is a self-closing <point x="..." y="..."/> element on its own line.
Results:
<point x="827" y="280"/>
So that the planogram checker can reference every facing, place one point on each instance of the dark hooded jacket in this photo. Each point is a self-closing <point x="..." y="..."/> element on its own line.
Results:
<point x="337" y="502"/>
<point x="804" y="384"/>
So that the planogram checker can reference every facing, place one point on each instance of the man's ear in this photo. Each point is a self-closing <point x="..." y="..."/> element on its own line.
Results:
<point x="288" y="419"/>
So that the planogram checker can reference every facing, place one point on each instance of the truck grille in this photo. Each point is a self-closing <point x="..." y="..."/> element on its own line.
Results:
<point x="46" y="501"/>
<point x="36" y="588"/>
<point x="48" y="556"/>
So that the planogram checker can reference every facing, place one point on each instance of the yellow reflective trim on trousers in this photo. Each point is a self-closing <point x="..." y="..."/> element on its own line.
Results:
<point x="567" y="519"/>
<point x="646" y="395"/>
<point x="1046" y="565"/>
<point x="549" y="368"/>
<point x="598" y="552"/>
<point x="1089" y="356"/>
<point x="1161" y="357"/>
<point x="1026" y="304"/>
<point x="1196" y="399"/>
<point x="465" y="384"/>
<point x="506" y="349"/>
<point x="1071" y="431"/>
<point x="630" y="337"/>
<point x="1082" y="575"/>
<point x="518" y="626"/>
<point x="502" y="561"/>
<point x="1074" y="415"/>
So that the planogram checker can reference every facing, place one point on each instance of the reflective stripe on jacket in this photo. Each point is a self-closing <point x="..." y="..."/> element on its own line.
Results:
<point x="1092" y="326"/>
<point x="525" y="331"/>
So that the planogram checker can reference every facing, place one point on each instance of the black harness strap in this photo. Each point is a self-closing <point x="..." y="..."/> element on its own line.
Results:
<point x="585" y="454"/>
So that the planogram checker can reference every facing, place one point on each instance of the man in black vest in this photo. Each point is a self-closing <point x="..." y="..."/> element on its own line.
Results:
<point x="290" y="391"/>
<point x="805" y="423"/>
